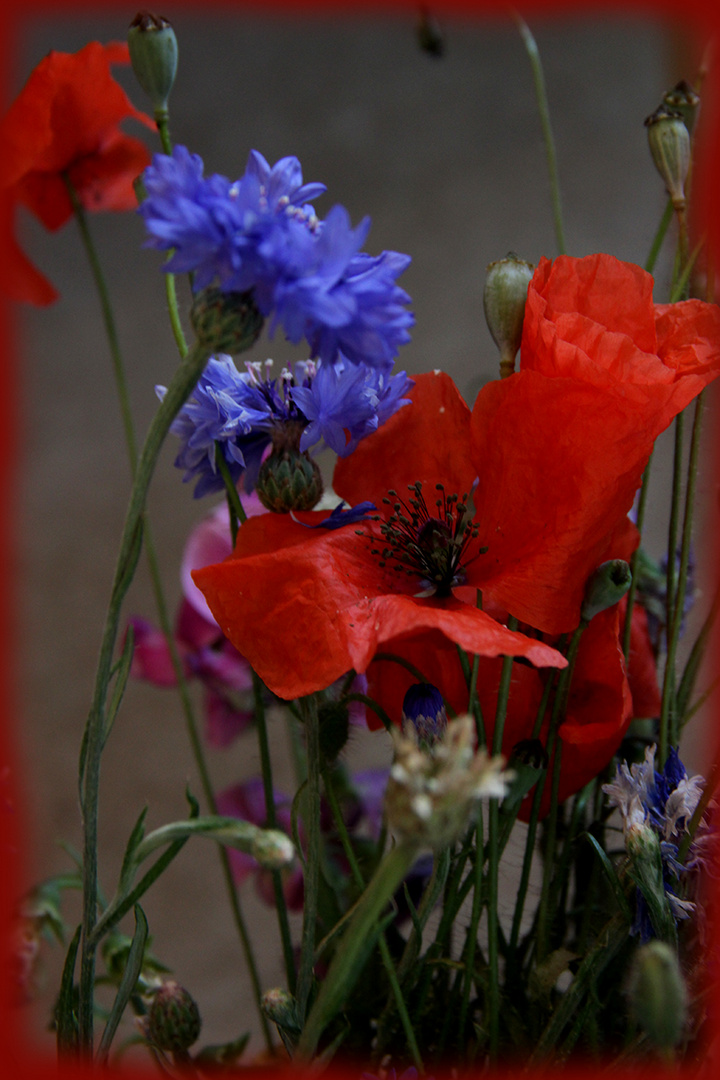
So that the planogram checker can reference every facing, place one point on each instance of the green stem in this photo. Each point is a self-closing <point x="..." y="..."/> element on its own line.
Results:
<point x="176" y="395"/>
<point x="544" y="111"/>
<point x="235" y="506"/>
<point x="271" y="818"/>
<point x="384" y="949"/>
<point x="668" y="711"/>
<point x="347" y="961"/>
<point x="311" y="815"/>
<point x="659" y="236"/>
<point x="632" y="591"/>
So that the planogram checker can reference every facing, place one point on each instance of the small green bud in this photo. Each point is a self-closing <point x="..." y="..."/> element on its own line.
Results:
<point x="657" y="994"/>
<point x="669" y="142"/>
<point x="228" y="322"/>
<point x="154" y="56"/>
<point x="683" y="99"/>
<point x="273" y="849"/>
<point x="606" y="587"/>
<point x="280" y="1006"/>
<point x="527" y="762"/>
<point x="504" y="299"/>
<point x="173" y="1020"/>
<point x="288" y="479"/>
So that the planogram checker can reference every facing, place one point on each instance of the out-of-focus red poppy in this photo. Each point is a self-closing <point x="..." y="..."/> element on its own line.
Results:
<point x="65" y="121"/>
<point x="307" y="605"/>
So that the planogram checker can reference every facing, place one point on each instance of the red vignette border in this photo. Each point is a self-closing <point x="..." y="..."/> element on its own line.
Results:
<point x="16" y="1059"/>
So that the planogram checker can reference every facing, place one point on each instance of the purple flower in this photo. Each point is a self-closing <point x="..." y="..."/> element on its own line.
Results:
<point x="332" y="404"/>
<point x="261" y="234"/>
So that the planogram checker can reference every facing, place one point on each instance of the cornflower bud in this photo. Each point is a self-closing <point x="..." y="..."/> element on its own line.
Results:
<point x="288" y="479"/>
<point x="669" y="142"/>
<point x="228" y="322"/>
<point x="683" y="99"/>
<point x="280" y="1006"/>
<point x="432" y="794"/>
<point x="657" y="994"/>
<point x="504" y="299"/>
<point x="154" y="56"/>
<point x="273" y="849"/>
<point x="424" y="710"/>
<point x="606" y="587"/>
<point x="173" y="1020"/>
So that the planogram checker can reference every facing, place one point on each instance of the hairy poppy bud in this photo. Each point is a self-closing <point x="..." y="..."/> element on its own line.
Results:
<point x="504" y="299"/>
<point x="334" y="724"/>
<point x="228" y="322"/>
<point x="173" y="1020"/>
<point x="606" y="587"/>
<point x="154" y="56"/>
<point x="669" y="142"/>
<point x="683" y="99"/>
<point x="657" y="994"/>
<point x="424" y="710"/>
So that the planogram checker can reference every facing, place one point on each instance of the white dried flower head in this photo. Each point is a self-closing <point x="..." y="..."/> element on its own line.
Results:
<point x="432" y="793"/>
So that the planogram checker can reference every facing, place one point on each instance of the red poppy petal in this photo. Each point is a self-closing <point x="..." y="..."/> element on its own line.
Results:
<point x="426" y="441"/>
<point x="559" y="464"/>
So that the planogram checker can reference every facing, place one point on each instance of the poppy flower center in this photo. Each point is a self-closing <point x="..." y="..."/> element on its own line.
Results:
<point x="428" y="544"/>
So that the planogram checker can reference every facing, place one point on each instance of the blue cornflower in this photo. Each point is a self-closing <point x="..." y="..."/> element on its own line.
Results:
<point x="656" y="808"/>
<point x="423" y="710"/>
<point x="261" y="235"/>
<point x="310" y="404"/>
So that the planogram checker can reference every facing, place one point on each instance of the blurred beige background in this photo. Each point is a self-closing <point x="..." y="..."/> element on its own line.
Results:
<point x="446" y="156"/>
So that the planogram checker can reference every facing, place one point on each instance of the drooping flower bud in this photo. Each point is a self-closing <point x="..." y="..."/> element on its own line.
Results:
<point x="424" y="710"/>
<point x="504" y="299"/>
<point x="432" y="794"/>
<point x="288" y="479"/>
<point x="173" y="1020"/>
<point x="528" y="761"/>
<point x="657" y="994"/>
<point x="273" y="849"/>
<point x="334" y="728"/>
<point x="154" y="56"/>
<point x="683" y="99"/>
<point x="669" y="142"/>
<point x="606" y="587"/>
<point x="228" y="322"/>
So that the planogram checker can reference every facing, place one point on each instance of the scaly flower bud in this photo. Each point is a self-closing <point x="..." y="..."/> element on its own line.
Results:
<point x="606" y="587"/>
<point x="154" y="56"/>
<point x="228" y="322"/>
<point x="424" y="710"/>
<point x="280" y="1006"/>
<point x="657" y="994"/>
<point x="504" y="299"/>
<point x="173" y="1020"/>
<point x="669" y="142"/>
<point x="289" y="479"/>
<point x="432" y="794"/>
<point x="273" y="849"/>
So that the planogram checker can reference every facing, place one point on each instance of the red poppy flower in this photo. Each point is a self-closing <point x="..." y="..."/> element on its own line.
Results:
<point x="562" y="444"/>
<point x="305" y="606"/>
<point x="65" y="120"/>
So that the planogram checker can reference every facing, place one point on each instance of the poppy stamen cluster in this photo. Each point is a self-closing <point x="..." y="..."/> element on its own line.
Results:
<point x="426" y="545"/>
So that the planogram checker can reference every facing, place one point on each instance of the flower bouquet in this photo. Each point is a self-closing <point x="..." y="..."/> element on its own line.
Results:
<point x="466" y="579"/>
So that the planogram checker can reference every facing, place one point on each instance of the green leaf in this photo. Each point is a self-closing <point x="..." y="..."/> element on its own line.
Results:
<point x="66" y="1009"/>
<point x="121" y="677"/>
<point x="127" y="983"/>
<point x="612" y="876"/>
<point x="221" y="1055"/>
<point x="136" y="838"/>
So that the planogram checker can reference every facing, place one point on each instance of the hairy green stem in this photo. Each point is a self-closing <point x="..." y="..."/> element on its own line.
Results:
<point x="544" y="111"/>
<point x="632" y="591"/>
<point x="309" y="711"/>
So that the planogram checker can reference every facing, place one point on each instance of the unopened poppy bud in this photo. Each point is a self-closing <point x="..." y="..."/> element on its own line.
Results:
<point x="334" y="725"/>
<point x="424" y="710"/>
<point x="280" y="1006"/>
<point x="227" y="322"/>
<point x="173" y="1020"/>
<point x="504" y="299"/>
<point x="606" y="587"/>
<point x="527" y="762"/>
<point x="154" y="56"/>
<point x="669" y="142"/>
<point x="683" y="99"/>
<point x="657" y="994"/>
